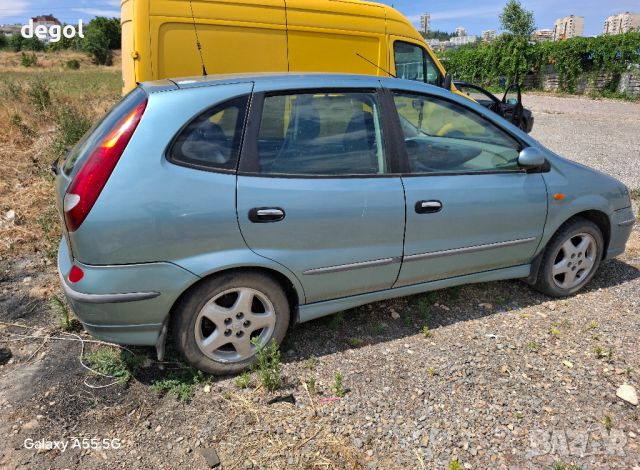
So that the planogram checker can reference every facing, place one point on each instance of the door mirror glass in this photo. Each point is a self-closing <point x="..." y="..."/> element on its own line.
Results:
<point x="446" y="83"/>
<point x="531" y="157"/>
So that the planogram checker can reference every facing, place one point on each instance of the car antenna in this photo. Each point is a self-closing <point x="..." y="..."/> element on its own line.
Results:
<point x="198" y="45"/>
<point x="376" y="65"/>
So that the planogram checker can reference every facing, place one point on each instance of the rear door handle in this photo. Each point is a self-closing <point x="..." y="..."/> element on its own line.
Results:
<point x="261" y="215"/>
<point x="428" y="207"/>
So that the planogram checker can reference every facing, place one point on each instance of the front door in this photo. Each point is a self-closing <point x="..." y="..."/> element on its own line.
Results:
<point x="470" y="208"/>
<point x="315" y="194"/>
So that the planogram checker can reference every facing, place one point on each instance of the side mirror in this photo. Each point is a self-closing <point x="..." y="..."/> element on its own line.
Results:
<point x="446" y="83"/>
<point x="531" y="157"/>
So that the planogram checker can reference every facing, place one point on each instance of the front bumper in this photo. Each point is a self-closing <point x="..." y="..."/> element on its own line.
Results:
<point x="621" y="227"/>
<point x="125" y="304"/>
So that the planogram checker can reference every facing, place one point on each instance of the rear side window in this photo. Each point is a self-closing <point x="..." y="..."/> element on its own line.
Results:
<point x="99" y="131"/>
<point x="321" y="134"/>
<point x="413" y="63"/>
<point x="212" y="140"/>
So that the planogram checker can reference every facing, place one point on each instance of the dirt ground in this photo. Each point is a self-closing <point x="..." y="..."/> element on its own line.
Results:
<point x="506" y="377"/>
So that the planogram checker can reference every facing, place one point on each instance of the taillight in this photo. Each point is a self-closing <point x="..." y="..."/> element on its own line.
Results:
<point x="92" y="177"/>
<point x="76" y="274"/>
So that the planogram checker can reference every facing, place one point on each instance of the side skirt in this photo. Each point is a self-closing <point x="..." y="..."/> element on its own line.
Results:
<point x="320" y="309"/>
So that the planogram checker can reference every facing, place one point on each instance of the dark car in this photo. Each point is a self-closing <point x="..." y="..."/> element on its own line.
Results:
<point x="509" y="107"/>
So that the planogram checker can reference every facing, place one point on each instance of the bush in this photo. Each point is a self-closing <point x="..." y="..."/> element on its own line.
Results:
<point x="72" y="125"/>
<point x="3" y="41"/>
<point x="27" y="60"/>
<point x="33" y="44"/>
<point x="96" y="43"/>
<point x="73" y="64"/>
<point x="15" y="42"/>
<point x="39" y="94"/>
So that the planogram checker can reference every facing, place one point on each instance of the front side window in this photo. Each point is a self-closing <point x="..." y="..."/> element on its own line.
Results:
<point x="321" y="134"/>
<point x="442" y="136"/>
<point x="413" y="63"/>
<point x="212" y="140"/>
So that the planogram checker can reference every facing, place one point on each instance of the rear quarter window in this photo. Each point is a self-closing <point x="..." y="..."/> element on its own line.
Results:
<point x="212" y="140"/>
<point x="99" y="131"/>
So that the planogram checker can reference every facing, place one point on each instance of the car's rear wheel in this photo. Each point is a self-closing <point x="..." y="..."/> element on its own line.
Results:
<point x="571" y="259"/>
<point x="218" y="324"/>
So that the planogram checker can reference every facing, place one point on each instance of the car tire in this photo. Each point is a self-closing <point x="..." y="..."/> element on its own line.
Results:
<point x="571" y="258"/>
<point x="215" y="322"/>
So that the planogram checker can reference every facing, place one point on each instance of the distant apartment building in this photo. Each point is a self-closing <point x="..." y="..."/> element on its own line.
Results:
<point x="489" y="35"/>
<point x="460" y="31"/>
<point x="425" y="22"/>
<point x="463" y="40"/>
<point x="568" y="27"/>
<point x="621" y="23"/>
<point x="433" y="43"/>
<point x="47" y="21"/>
<point x="542" y="35"/>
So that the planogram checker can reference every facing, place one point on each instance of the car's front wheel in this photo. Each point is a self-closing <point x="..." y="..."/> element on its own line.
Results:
<point x="219" y="323"/>
<point x="571" y="259"/>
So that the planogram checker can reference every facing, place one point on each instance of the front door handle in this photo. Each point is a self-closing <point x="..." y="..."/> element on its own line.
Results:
<point x="428" y="207"/>
<point x="261" y="215"/>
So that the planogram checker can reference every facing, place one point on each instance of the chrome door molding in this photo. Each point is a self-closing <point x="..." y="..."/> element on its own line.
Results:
<point x="467" y="249"/>
<point x="351" y="266"/>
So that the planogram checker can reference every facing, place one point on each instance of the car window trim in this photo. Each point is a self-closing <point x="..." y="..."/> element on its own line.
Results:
<point x="249" y="158"/>
<point x="401" y="145"/>
<point x="239" y="133"/>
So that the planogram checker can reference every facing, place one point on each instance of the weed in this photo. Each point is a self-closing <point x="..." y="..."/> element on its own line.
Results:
<point x="431" y="297"/>
<point x="501" y="300"/>
<point x="425" y="331"/>
<point x="227" y="395"/>
<point x="532" y="346"/>
<point x="310" y="363"/>
<point x="182" y="385"/>
<point x="599" y="352"/>
<point x="268" y="365"/>
<point x="27" y="60"/>
<point x="62" y="309"/>
<point x="73" y="64"/>
<point x="593" y="325"/>
<point x="243" y="380"/>
<point x="555" y="332"/>
<point x="39" y="94"/>
<point x="453" y="293"/>
<point x="14" y="90"/>
<point x="635" y="194"/>
<point x="628" y="371"/>
<point x="355" y="342"/>
<point x="378" y="328"/>
<point x="337" y="385"/>
<point x="49" y="224"/>
<point x="121" y="365"/>
<point x="424" y="310"/>
<point x="561" y="466"/>
<point x="16" y="121"/>
<point x="610" y="355"/>
<point x="519" y="414"/>
<point x="336" y="320"/>
<point x="407" y="320"/>
<point x="311" y="385"/>
<point x="72" y="125"/>
<point x="607" y="422"/>
<point x="455" y="465"/>
<point x="431" y="371"/>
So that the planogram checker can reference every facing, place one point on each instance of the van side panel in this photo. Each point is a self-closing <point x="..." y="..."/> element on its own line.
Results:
<point x="127" y="46"/>
<point x="327" y="36"/>
<point x="234" y="36"/>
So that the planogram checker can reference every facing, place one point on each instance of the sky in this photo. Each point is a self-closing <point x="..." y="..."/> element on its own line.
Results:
<point x="474" y="15"/>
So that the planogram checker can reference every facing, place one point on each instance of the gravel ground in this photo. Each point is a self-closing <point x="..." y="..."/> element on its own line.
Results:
<point x="604" y="134"/>
<point x="505" y="379"/>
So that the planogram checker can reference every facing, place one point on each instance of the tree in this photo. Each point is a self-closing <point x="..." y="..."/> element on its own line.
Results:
<point x="96" y="44"/>
<point x="15" y="42"/>
<point x="33" y="44"/>
<point x="111" y="29"/>
<point x="517" y="21"/>
<point x="3" y="41"/>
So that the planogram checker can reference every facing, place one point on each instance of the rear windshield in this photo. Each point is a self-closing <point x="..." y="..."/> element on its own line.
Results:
<point x="100" y="130"/>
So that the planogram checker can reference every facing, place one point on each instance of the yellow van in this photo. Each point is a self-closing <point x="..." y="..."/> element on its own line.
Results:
<point x="174" y="38"/>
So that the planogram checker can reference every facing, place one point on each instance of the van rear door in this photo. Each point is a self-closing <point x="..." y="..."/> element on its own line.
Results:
<point x="128" y="46"/>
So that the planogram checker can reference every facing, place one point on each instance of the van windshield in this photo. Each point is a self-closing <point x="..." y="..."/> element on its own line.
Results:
<point x="100" y="130"/>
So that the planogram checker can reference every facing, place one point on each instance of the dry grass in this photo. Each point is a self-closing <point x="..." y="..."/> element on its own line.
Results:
<point x="31" y="100"/>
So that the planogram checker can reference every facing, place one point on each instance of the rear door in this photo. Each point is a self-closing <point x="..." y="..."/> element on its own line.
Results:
<point x="316" y="191"/>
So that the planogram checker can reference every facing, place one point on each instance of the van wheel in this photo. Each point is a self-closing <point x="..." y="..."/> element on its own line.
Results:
<point x="571" y="258"/>
<point x="217" y="323"/>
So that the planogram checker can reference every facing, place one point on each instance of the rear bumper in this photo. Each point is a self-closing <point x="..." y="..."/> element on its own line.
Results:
<point x="125" y="304"/>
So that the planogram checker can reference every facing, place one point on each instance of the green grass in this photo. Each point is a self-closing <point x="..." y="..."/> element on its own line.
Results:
<point x="336" y="320"/>
<point x="120" y="365"/>
<point x="268" y="365"/>
<point x="378" y="328"/>
<point x="356" y="342"/>
<point x="182" y="385"/>
<point x="243" y="380"/>
<point x="311" y="385"/>
<point x="337" y="385"/>
<point x="455" y="465"/>
<point x="607" y="422"/>
<point x="425" y="331"/>
<point x="67" y="322"/>
<point x="100" y="82"/>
